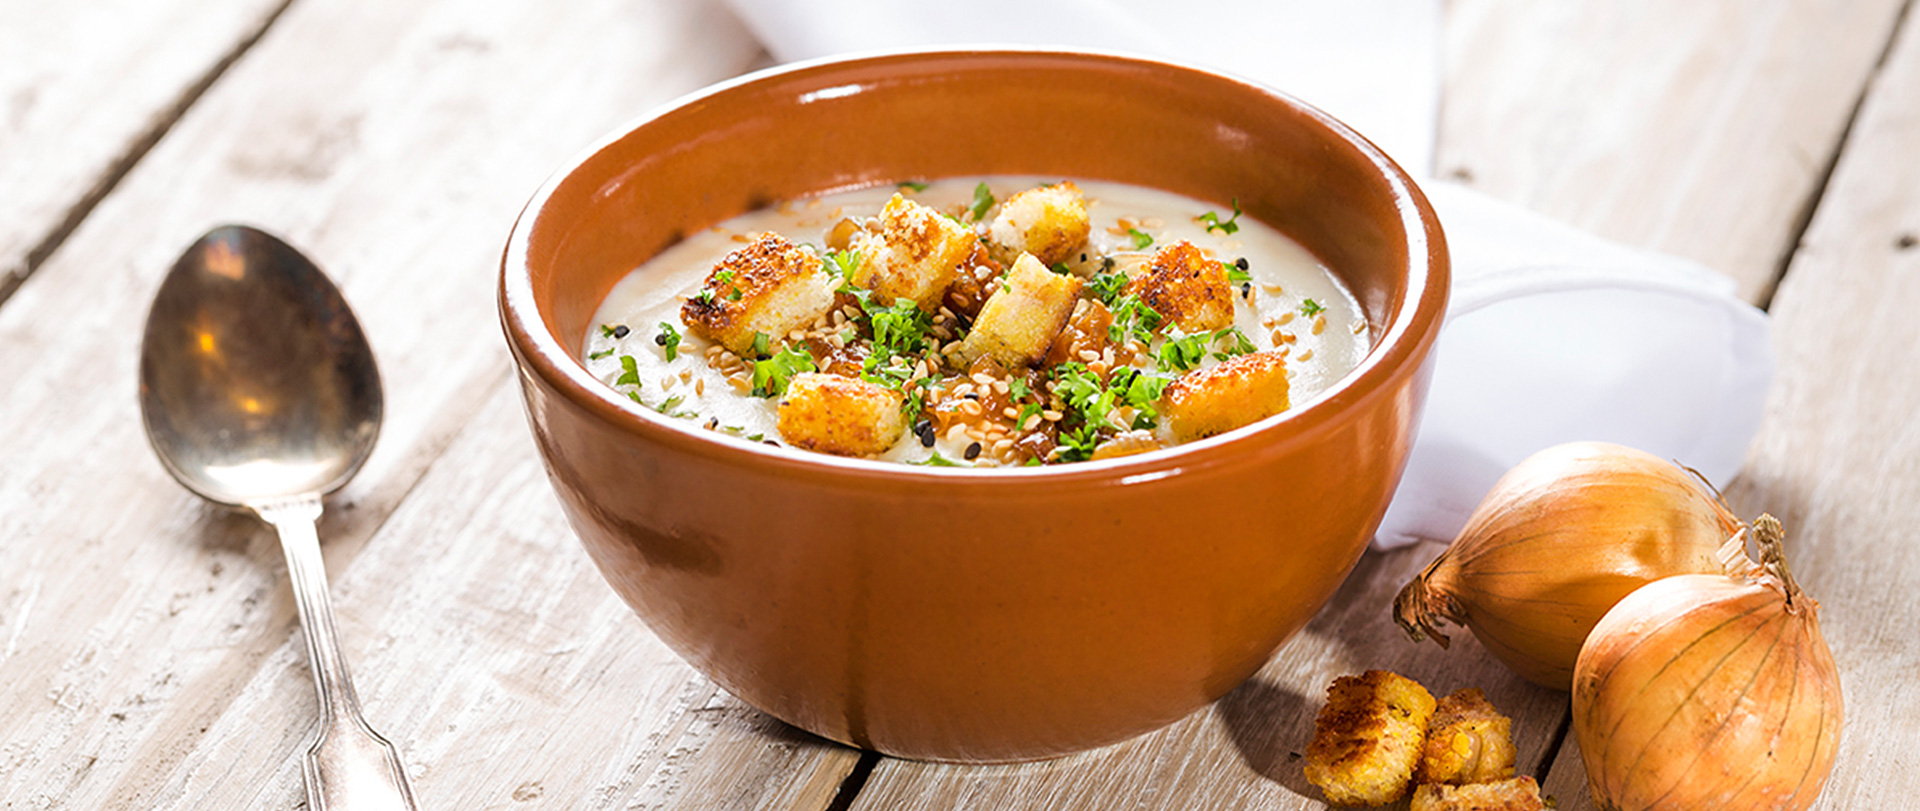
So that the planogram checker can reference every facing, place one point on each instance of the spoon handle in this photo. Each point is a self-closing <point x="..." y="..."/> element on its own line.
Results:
<point x="347" y="764"/>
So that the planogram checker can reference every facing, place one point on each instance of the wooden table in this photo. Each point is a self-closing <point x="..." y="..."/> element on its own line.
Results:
<point x="149" y="653"/>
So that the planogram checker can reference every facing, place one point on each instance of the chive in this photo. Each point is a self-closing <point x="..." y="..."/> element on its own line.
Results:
<point x="982" y="200"/>
<point x="1141" y="239"/>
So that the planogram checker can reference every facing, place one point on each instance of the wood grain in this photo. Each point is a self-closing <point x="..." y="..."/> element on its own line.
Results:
<point x="1838" y="456"/>
<point x="1703" y="129"/>
<point x="85" y="89"/>
<point x="150" y="654"/>
<point x="1242" y="752"/>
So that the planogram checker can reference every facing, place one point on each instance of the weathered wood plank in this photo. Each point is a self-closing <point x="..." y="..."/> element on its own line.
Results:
<point x="1702" y="129"/>
<point x="1838" y="456"/>
<point x="1242" y="751"/>
<point x="85" y="88"/>
<point x="149" y="647"/>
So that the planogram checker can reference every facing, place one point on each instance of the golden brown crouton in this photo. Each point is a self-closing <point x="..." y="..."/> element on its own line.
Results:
<point x="1468" y="741"/>
<point x="1049" y="222"/>
<point x="770" y="286"/>
<point x="1517" y="794"/>
<point x="1018" y="323"/>
<point x="1367" y="739"/>
<point x="1217" y="399"/>
<point x="912" y="255"/>
<point x="1186" y="288"/>
<point x="839" y="415"/>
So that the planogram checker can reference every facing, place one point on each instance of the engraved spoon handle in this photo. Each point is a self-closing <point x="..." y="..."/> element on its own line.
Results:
<point x="348" y="766"/>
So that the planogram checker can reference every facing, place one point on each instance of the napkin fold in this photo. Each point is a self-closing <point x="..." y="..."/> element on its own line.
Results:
<point x="1552" y="335"/>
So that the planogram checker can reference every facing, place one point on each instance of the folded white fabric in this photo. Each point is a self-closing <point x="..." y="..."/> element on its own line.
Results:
<point x="1553" y="335"/>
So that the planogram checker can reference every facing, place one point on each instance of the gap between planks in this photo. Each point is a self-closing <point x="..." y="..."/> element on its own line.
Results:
<point x="117" y="168"/>
<point x="1804" y="220"/>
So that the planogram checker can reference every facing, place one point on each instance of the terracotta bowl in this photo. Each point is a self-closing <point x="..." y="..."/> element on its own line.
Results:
<point x="954" y="614"/>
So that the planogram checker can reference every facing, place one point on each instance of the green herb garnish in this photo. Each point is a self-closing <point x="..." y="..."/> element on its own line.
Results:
<point x="936" y="460"/>
<point x="600" y="354"/>
<point x="1107" y="287"/>
<point x="1078" y="444"/>
<point x="1235" y="274"/>
<point x="1141" y="239"/>
<point x="606" y="331"/>
<point x="760" y="349"/>
<point x="772" y="375"/>
<point x="669" y="340"/>
<point x="842" y="263"/>
<point x="1061" y="268"/>
<point x="629" y="372"/>
<point x="1132" y="318"/>
<point x="1311" y="308"/>
<point x="982" y="200"/>
<point x="913" y="185"/>
<point x="1227" y="226"/>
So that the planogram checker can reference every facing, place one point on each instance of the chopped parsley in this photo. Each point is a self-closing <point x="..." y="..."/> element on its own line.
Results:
<point x="1107" y="287"/>
<point x="760" y="349"/>
<point x="1084" y="392"/>
<point x="913" y="186"/>
<point x="936" y="460"/>
<point x="600" y="354"/>
<point x="1061" y="269"/>
<point x="1132" y="318"/>
<point x="842" y="263"/>
<point x="629" y="372"/>
<point x="771" y="376"/>
<point x="705" y="297"/>
<point x="726" y="277"/>
<point x="899" y="330"/>
<point x="606" y="330"/>
<point x="669" y="340"/>
<point x="1235" y="274"/>
<point x="1141" y="239"/>
<point x="1227" y="226"/>
<point x="1018" y="386"/>
<point x="1185" y="352"/>
<point x="982" y="200"/>
<point x="1311" y="308"/>
<point x="1078" y="444"/>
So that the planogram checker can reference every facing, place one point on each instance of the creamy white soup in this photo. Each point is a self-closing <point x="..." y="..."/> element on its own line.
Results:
<point x="979" y="322"/>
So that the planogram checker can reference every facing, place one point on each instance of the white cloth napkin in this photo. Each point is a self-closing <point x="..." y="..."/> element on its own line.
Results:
<point x="1553" y="335"/>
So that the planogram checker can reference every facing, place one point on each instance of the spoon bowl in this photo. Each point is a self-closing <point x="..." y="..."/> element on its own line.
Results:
<point x="259" y="391"/>
<point x="256" y="381"/>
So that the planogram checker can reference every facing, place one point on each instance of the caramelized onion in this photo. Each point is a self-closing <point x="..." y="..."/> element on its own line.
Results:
<point x="1710" y="691"/>
<point x="1562" y="537"/>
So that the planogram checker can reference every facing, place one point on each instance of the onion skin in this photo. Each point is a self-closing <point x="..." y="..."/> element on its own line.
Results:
<point x="1562" y="537"/>
<point x="1709" y="692"/>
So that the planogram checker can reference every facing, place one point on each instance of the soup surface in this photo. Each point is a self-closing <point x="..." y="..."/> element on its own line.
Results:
<point x="979" y="322"/>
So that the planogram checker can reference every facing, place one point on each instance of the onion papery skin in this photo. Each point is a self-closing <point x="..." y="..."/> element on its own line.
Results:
<point x="1708" y="692"/>
<point x="1560" y="539"/>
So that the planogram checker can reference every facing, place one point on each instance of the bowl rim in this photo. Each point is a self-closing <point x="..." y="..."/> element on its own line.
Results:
<point x="1407" y="337"/>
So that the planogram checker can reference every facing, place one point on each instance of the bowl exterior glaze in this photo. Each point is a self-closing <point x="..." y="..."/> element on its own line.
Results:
<point x="954" y="614"/>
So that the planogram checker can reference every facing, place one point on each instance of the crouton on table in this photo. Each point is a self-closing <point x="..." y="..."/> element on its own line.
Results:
<point x="1516" y="794"/>
<point x="769" y="286"/>
<point x="1018" y="323"/>
<point x="1367" y="739"/>
<point x="1468" y="741"/>
<point x="839" y="415"/>
<point x="1239" y="391"/>
<point x="912" y="254"/>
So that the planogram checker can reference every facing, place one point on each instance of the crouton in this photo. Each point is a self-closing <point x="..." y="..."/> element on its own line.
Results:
<point x="1468" y="741"/>
<point x="769" y="286"/>
<point x="839" y="415"/>
<point x="1018" y="323"/>
<point x="1049" y="222"/>
<point x="1186" y="288"/>
<point x="1517" y="794"/>
<point x="913" y="254"/>
<point x="1239" y="391"/>
<point x="1366" y="740"/>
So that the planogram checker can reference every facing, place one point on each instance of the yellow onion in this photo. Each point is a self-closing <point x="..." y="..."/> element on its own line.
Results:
<point x="1710" y="691"/>
<point x="1562" y="537"/>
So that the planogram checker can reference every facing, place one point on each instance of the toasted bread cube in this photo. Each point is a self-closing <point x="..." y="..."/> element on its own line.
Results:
<point x="1186" y="288"/>
<point x="839" y="415"/>
<point x="769" y="286"/>
<point x="1468" y="741"/>
<point x="912" y="255"/>
<point x="1049" y="222"/>
<point x="1018" y="323"/>
<point x="1239" y="391"/>
<point x="1367" y="739"/>
<point x="1517" y="794"/>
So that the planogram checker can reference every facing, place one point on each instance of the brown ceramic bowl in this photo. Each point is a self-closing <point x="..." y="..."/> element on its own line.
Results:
<point x="955" y="614"/>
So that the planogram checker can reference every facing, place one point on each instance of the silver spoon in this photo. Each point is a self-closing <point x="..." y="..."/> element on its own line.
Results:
<point x="259" y="391"/>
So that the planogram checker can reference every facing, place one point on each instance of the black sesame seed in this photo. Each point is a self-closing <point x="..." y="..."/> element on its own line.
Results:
<point x="1246" y="289"/>
<point x="1083" y="257"/>
<point x="660" y="339"/>
<point x="621" y="331"/>
<point x="713" y="423"/>
<point x="973" y="451"/>
<point x="973" y="396"/>
<point x="1240" y="263"/>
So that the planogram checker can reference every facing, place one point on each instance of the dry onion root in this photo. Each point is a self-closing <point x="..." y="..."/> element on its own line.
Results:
<point x="1562" y="537"/>
<point x="1710" y="691"/>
